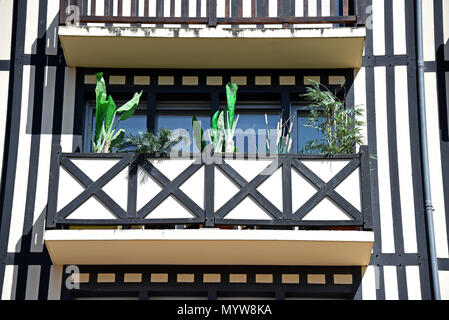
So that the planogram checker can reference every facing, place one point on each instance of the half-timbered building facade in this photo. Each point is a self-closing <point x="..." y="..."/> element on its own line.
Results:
<point x="79" y="225"/>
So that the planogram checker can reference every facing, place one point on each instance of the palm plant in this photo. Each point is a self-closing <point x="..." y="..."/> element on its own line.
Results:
<point x="147" y="142"/>
<point x="338" y="125"/>
<point x="105" y="136"/>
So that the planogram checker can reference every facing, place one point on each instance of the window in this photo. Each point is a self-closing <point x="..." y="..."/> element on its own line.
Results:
<point x="181" y="124"/>
<point x="301" y="132"/>
<point x="250" y="135"/>
<point x="177" y="116"/>
<point x="135" y="124"/>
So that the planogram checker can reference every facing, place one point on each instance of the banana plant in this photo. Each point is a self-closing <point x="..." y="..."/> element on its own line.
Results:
<point x="222" y="126"/>
<point x="105" y="136"/>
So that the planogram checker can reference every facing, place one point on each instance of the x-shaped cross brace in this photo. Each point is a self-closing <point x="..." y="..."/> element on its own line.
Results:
<point x="327" y="189"/>
<point x="93" y="188"/>
<point x="249" y="188"/>
<point x="171" y="187"/>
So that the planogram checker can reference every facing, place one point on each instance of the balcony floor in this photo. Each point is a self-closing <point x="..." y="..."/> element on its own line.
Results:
<point x="210" y="247"/>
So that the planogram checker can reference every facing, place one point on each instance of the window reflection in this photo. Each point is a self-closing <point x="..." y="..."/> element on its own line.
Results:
<point x="181" y="124"/>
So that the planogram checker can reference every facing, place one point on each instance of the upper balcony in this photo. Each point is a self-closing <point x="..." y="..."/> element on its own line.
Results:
<point x="213" y="34"/>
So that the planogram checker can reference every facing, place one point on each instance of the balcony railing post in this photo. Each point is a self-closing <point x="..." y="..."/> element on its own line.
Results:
<point x="286" y="187"/>
<point x="209" y="191"/>
<point x="360" y="12"/>
<point x="365" y="185"/>
<point x="132" y="186"/>
<point x="62" y="11"/>
<point x="212" y="13"/>
<point x="53" y="187"/>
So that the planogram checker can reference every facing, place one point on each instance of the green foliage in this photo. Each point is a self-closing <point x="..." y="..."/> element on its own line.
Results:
<point x="198" y="134"/>
<point x="147" y="142"/>
<point x="105" y="136"/>
<point x="338" y="125"/>
<point x="283" y="137"/>
<point x="222" y="126"/>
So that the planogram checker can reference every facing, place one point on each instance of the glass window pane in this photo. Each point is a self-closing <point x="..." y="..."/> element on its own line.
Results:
<point x="250" y="135"/>
<point x="181" y="124"/>
<point x="136" y="124"/>
<point x="305" y="133"/>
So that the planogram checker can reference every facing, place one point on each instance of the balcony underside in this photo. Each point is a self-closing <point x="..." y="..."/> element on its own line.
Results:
<point x="132" y="47"/>
<point x="209" y="247"/>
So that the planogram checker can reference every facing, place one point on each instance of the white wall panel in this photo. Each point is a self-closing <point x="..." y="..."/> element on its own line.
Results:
<point x="444" y="284"/>
<point x="404" y="160"/>
<point x="446" y="28"/>
<point x="6" y="11"/>
<point x="10" y="282"/>
<point x="386" y="217"/>
<point x="23" y="160"/>
<point x="55" y="281"/>
<point x="68" y="109"/>
<point x="43" y="174"/>
<point x="400" y="45"/>
<point x="31" y="27"/>
<point x="428" y="31"/>
<point x="391" y="283"/>
<point x="32" y="286"/>
<point x="413" y="283"/>
<point x="51" y="42"/>
<point x="4" y="88"/>
<point x="378" y="28"/>
<point x="436" y="174"/>
<point x="369" y="283"/>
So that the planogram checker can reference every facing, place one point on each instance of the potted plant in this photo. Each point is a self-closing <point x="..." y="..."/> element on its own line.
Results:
<point x="105" y="136"/>
<point x="222" y="126"/>
<point x="338" y="125"/>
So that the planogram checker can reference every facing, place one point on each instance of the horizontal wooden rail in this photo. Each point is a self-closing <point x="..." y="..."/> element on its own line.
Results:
<point x="232" y="21"/>
<point x="336" y="12"/>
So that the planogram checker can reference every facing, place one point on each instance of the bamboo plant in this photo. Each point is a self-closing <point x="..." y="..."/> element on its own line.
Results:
<point x="105" y="136"/>
<point x="338" y="125"/>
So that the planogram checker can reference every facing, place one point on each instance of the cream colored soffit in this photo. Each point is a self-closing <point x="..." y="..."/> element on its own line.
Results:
<point x="210" y="247"/>
<point x="131" y="47"/>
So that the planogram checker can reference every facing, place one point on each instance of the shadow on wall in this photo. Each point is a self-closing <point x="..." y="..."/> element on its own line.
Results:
<point x="43" y="123"/>
<point x="442" y="56"/>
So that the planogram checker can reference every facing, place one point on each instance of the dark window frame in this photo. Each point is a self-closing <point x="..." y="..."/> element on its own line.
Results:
<point x="286" y="96"/>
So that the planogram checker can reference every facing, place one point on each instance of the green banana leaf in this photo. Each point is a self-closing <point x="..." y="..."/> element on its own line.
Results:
<point x="199" y="141"/>
<point x="100" y="114"/>
<point x="101" y="104"/>
<point x="231" y="96"/>
<point x="109" y="114"/>
<point x="220" y="122"/>
<point x="214" y="127"/>
<point x="128" y="109"/>
<point x="117" y="139"/>
<point x="100" y="89"/>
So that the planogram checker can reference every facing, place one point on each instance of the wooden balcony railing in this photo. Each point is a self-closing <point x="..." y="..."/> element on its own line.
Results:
<point x="215" y="12"/>
<point x="276" y="191"/>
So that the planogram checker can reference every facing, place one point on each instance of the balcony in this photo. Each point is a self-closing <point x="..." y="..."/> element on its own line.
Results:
<point x="205" y="209"/>
<point x="306" y="34"/>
